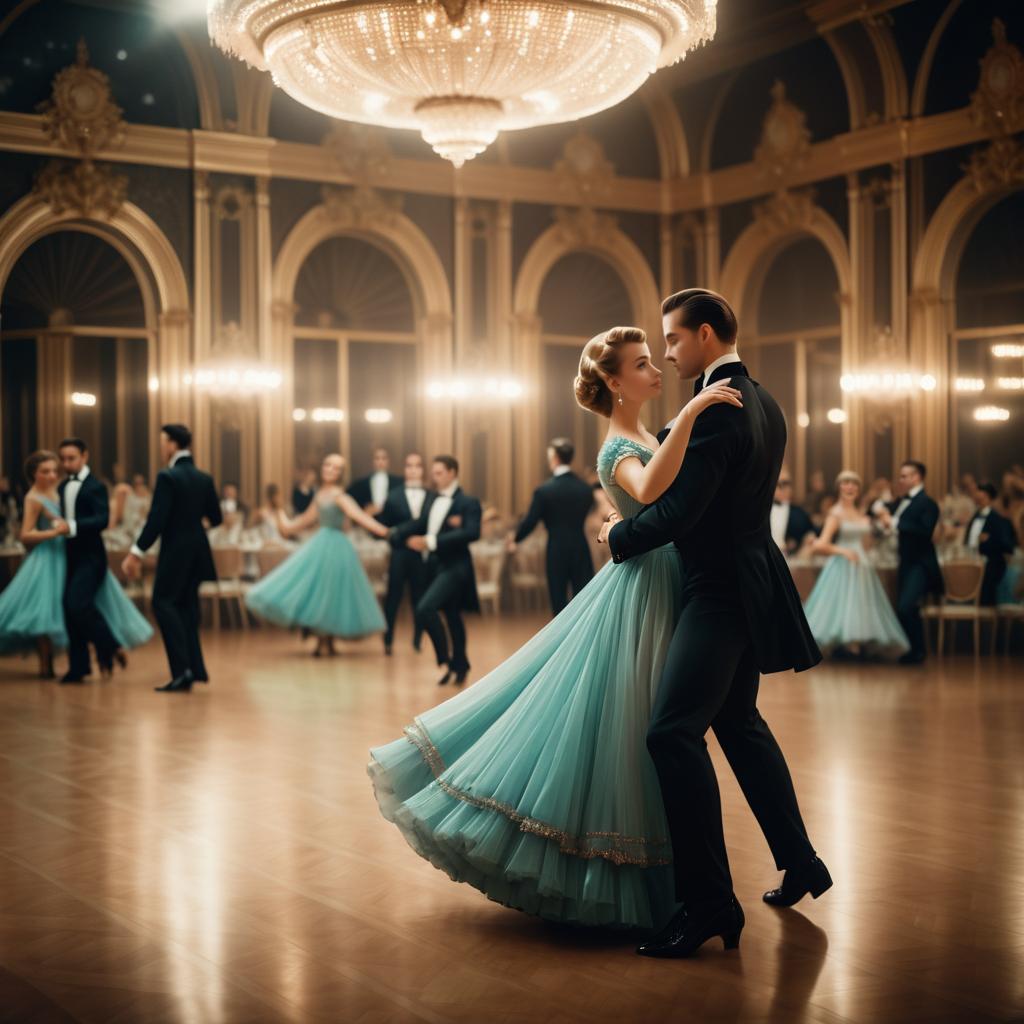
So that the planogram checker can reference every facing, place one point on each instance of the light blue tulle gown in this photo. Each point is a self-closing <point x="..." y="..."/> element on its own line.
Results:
<point x="535" y="785"/>
<point x="322" y="587"/>
<point x="849" y="606"/>
<point x="32" y="604"/>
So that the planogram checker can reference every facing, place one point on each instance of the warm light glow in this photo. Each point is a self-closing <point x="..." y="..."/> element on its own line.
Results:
<point x="886" y="383"/>
<point x="379" y="416"/>
<point x="323" y="415"/>
<point x="803" y="420"/>
<point x="466" y="388"/>
<point x="154" y="383"/>
<point x="927" y="383"/>
<point x="237" y="379"/>
<point x="83" y="398"/>
<point x="298" y="415"/>
<point x="969" y="384"/>
<point x="836" y="416"/>
<point x="991" y="414"/>
<point x="460" y="79"/>
<point x="1010" y="383"/>
<point x="1005" y="350"/>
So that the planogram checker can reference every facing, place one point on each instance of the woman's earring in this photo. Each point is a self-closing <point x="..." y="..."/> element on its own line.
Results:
<point x="620" y="398"/>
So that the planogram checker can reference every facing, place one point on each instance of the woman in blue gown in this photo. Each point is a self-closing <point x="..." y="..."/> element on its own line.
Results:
<point x="323" y="587"/>
<point x="535" y="785"/>
<point x="31" y="607"/>
<point x="848" y="610"/>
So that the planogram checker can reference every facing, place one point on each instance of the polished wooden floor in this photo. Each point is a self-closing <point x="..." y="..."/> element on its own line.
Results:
<point x="219" y="856"/>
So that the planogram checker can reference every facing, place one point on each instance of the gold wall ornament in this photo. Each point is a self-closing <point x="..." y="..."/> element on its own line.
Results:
<point x="787" y="209"/>
<point x="91" y="189"/>
<point x="997" y="165"/>
<point x="998" y="103"/>
<point x="785" y="137"/>
<point x="583" y="168"/>
<point x="231" y="202"/>
<point x="81" y="113"/>
<point x="583" y="227"/>
<point x="361" y="206"/>
<point x="360" y="151"/>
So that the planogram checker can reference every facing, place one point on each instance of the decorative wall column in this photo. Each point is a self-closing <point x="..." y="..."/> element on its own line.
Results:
<point x="277" y="428"/>
<point x="931" y="327"/>
<point x="275" y="406"/>
<point x="501" y="487"/>
<point x="436" y="339"/>
<point x="53" y="391"/>
<point x="859" y="310"/>
<point x="712" y="250"/>
<point x="203" y="306"/>
<point x="526" y="335"/>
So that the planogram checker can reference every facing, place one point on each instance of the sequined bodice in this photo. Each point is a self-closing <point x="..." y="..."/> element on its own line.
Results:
<point x="851" y="534"/>
<point x="331" y="516"/>
<point x="612" y="452"/>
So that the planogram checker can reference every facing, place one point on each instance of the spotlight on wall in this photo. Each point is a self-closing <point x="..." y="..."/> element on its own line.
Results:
<point x="991" y="414"/>
<point x="1007" y="350"/>
<point x="325" y="415"/>
<point x="836" y="416"/>
<point x="379" y="416"/>
<point x="969" y="384"/>
<point x="154" y="384"/>
<point x="83" y="398"/>
<point x="803" y="420"/>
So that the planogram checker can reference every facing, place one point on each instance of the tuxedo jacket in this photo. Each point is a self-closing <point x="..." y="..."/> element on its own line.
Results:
<point x="718" y="513"/>
<point x="1002" y="539"/>
<point x="798" y="525"/>
<point x="452" y="554"/>
<point x="363" y="495"/>
<point x="562" y="504"/>
<point x="182" y="498"/>
<point x="92" y="517"/>
<point x="396" y="509"/>
<point x="914" y="536"/>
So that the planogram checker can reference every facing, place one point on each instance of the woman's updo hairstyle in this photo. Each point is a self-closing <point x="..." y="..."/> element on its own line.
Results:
<point x="601" y="359"/>
<point x="35" y="460"/>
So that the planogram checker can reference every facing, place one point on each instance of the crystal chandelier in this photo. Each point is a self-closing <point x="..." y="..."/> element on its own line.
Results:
<point x="460" y="71"/>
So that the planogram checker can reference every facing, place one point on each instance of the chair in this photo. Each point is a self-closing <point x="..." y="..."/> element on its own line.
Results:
<point x="228" y="562"/>
<point x="269" y="558"/>
<point x="528" y="578"/>
<point x="961" y="601"/>
<point x="375" y="555"/>
<point x="489" y="565"/>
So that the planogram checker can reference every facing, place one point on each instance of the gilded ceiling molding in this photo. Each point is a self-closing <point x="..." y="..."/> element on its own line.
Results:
<point x="919" y="96"/>
<point x="669" y="133"/>
<point x="361" y="152"/>
<point x="205" y="80"/>
<point x="708" y="140"/>
<point x="894" y="77"/>
<point x="852" y="79"/>
<point x="584" y="172"/>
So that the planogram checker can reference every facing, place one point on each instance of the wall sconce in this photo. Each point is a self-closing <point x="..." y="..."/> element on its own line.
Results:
<point x="468" y="388"/>
<point x="836" y="416"/>
<point x="991" y="414"/>
<point x="154" y="384"/>
<point x="379" y="415"/>
<point x="83" y="398"/>
<point x="1010" y="383"/>
<point x="1007" y="350"/>
<point x="969" y="384"/>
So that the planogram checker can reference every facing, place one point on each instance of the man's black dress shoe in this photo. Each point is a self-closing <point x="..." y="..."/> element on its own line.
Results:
<point x="912" y="658"/>
<point x="182" y="684"/>
<point x="448" y="676"/>
<point x="812" y="878"/>
<point x="460" y="676"/>
<point x="387" y="646"/>
<point x="69" y="678"/>
<point x="417" y="644"/>
<point x="689" y="930"/>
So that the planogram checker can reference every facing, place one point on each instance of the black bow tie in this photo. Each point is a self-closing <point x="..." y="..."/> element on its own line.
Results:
<point x="698" y="385"/>
<point x="74" y="476"/>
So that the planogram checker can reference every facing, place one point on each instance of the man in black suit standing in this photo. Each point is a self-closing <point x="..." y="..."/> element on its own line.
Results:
<point x="182" y="499"/>
<point x="86" y="510"/>
<point x="370" y="492"/>
<point x="406" y="567"/>
<point x="447" y="525"/>
<point x="992" y="536"/>
<point x="562" y="504"/>
<point x="790" y="524"/>
<point x="741" y="616"/>
<point x="914" y="518"/>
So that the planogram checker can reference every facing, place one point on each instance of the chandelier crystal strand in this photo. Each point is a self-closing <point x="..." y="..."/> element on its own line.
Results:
<point x="460" y="72"/>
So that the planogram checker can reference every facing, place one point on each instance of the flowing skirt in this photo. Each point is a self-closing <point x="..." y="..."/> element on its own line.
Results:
<point x="849" y="605"/>
<point x="535" y="785"/>
<point x="32" y="605"/>
<point x="321" y="587"/>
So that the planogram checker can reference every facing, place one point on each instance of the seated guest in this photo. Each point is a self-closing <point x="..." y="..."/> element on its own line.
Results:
<point x="303" y="491"/>
<point x="816" y="490"/>
<point x="791" y="525"/>
<point x="992" y="536"/>
<point x="370" y="492"/>
<point x="848" y="610"/>
<point x="266" y="517"/>
<point x="913" y="519"/>
<point x="234" y="515"/>
<point x="562" y="504"/>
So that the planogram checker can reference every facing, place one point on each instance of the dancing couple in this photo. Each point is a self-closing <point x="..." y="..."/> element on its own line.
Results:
<point x="573" y="782"/>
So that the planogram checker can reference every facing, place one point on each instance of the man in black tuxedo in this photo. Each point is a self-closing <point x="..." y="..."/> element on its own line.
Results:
<point x="86" y="510"/>
<point x="741" y="615"/>
<point x="370" y="492"/>
<point x="447" y="525"/>
<point x="914" y="518"/>
<point x="182" y="499"/>
<point x="406" y="567"/>
<point x="790" y="524"/>
<point x="992" y="536"/>
<point x="562" y="504"/>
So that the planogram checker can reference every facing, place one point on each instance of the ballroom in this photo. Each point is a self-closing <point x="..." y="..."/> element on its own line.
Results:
<point x="650" y="371"/>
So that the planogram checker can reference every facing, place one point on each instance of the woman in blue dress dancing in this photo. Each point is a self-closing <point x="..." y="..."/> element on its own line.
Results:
<point x="535" y="785"/>
<point x="31" y="607"/>
<point x="323" y="587"/>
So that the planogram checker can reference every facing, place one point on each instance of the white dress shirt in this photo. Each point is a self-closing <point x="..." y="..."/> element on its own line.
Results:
<point x="415" y="496"/>
<point x="380" y="484"/>
<point x="70" y="497"/>
<point x="561" y="470"/>
<point x="439" y="513"/>
<point x="729" y="357"/>
<point x="905" y="504"/>
<point x="780" y="520"/>
<point x="977" y="528"/>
